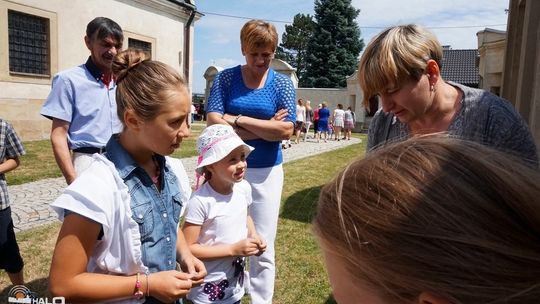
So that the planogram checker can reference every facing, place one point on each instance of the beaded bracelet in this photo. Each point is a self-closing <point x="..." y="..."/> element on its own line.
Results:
<point x="138" y="292"/>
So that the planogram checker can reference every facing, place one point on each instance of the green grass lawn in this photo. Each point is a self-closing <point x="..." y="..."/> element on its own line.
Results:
<point x="39" y="163"/>
<point x="301" y="277"/>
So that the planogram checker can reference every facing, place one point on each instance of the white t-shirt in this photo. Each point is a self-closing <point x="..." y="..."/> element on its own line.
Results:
<point x="300" y="113"/>
<point x="223" y="220"/>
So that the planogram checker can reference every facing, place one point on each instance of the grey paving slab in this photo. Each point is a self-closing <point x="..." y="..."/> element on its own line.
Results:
<point x="30" y="201"/>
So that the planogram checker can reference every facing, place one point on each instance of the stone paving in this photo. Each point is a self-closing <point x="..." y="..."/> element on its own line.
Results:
<point x="30" y="202"/>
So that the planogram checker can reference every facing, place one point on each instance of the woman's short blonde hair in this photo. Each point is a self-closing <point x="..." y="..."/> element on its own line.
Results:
<point x="446" y="216"/>
<point x="394" y="56"/>
<point x="258" y="33"/>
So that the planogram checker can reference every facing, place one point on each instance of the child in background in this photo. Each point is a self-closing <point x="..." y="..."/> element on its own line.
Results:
<point x="11" y="149"/>
<point x="120" y="238"/>
<point x="218" y="227"/>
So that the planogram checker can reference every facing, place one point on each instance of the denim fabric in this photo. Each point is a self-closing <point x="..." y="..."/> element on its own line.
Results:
<point x="156" y="212"/>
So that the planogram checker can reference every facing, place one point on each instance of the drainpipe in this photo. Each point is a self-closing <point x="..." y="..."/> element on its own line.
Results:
<point x="187" y="34"/>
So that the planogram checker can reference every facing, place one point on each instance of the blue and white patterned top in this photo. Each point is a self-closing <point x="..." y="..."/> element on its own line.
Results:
<point x="10" y="147"/>
<point x="230" y="95"/>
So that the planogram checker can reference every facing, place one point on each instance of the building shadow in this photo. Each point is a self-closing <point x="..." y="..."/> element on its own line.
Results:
<point x="302" y="205"/>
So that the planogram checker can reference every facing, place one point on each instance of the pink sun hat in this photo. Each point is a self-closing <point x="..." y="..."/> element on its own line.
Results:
<point x="216" y="142"/>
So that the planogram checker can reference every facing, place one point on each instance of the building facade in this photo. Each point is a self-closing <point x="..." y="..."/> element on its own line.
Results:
<point x="40" y="38"/>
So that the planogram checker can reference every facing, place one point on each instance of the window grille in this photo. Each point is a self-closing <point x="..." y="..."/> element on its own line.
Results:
<point x="28" y="37"/>
<point x="139" y="44"/>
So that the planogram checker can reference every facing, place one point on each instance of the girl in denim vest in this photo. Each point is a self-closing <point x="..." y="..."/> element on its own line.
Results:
<point x="120" y="241"/>
<point x="218" y="227"/>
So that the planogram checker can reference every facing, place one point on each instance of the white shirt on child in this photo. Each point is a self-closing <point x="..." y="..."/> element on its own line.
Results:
<point x="223" y="220"/>
<point x="101" y="195"/>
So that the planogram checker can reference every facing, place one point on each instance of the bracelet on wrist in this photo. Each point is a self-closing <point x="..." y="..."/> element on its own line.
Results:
<point x="236" y="120"/>
<point x="138" y="292"/>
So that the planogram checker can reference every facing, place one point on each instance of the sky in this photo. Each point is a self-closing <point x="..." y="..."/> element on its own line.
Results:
<point x="454" y="22"/>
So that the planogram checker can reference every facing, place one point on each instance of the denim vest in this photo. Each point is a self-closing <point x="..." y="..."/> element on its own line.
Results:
<point x="156" y="212"/>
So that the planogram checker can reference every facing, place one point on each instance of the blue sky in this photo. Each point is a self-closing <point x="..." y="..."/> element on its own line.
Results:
<point x="454" y="22"/>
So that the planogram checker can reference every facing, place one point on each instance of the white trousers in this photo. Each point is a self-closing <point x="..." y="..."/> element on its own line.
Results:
<point x="81" y="162"/>
<point x="266" y="185"/>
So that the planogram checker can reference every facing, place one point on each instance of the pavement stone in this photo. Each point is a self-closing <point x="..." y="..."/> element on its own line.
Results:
<point x="30" y="201"/>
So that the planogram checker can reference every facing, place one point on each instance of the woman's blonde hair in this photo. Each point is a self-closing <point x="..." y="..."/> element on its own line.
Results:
<point x="435" y="214"/>
<point x="144" y="85"/>
<point x="258" y="33"/>
<point x="396" y="55"/>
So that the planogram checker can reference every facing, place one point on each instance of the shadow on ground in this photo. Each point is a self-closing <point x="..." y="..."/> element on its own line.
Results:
<point x="302" y="205"/>
<point x="38" y="286"/>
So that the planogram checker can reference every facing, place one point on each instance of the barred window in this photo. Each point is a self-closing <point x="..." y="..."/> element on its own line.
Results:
<point x="139" y="44"/>
<point x="28" y="44"/>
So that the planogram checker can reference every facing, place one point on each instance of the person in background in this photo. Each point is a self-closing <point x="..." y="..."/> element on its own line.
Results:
<point x="82" y="103"/>
<point x="323" y="123"/>
<point x="316" y="120"/>
<point x="11" y="149"/>
<point x="432" y="220"/>
<point x="260" y="104"/>
<point x="338" y="119"/>
<point x="120" y="238"/>
<point x="349" y="123"/>
<point x="218" y="227"/>
<point x="300" y="120"/>
<point x="402" y="66"/>
<point x="309" y="118"/>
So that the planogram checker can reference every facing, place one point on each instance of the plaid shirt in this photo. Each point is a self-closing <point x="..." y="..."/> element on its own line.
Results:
<point x="10" y="147"/>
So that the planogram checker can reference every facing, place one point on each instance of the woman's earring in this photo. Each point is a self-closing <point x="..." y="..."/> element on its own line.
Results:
<point x="432" y="87"/>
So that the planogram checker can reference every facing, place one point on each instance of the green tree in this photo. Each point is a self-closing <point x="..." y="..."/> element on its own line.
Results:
<point x="335" y="45"/>
<point x="294" y="44"/>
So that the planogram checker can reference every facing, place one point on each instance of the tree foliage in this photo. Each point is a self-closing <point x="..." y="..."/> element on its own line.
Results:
<point x="294" y="44"/>
<point x="334" y="46"/>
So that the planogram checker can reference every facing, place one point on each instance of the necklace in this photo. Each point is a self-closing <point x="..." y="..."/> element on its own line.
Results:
<point x="155" y="178"/>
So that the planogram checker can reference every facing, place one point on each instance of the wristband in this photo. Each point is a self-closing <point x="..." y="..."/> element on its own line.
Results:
<point x="138" y="292"/>
<point x="147" y="284"/>
<point x="236" y="120"/>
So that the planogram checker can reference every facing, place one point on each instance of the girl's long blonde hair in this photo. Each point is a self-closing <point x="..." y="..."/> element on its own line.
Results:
<point x="436" y="214"/>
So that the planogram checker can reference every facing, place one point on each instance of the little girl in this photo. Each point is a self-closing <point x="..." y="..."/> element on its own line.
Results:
<point x="218" y="227"/>
<point x="119" y="240"/>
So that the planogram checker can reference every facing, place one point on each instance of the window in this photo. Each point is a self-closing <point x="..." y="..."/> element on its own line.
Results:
<point x="29" y="42"/>
<point x="139" y="44"/>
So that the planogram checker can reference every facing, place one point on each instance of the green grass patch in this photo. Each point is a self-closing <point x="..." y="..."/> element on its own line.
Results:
<point x="39" y="163"/>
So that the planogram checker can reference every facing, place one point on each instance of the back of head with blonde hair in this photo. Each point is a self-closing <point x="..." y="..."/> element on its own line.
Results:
<point x="144" y="85"/>
<point x="438" y="215"/>
<point x="258" y="33"/>
<point x="396" y="55"/>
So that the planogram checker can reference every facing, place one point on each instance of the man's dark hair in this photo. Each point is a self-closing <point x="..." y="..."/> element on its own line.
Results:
<point x="104" y="27"/>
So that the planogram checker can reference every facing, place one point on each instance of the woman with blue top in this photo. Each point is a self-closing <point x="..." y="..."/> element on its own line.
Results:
<point x="261" y="105"/>
<point x="322" y="128"/>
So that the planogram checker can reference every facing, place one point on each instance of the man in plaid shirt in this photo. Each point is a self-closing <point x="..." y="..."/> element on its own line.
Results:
<point x="10" y="150"/>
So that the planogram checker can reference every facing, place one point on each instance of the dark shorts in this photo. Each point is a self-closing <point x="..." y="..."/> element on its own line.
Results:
<point x="10" y="257"/>
<point x="298" y="125"/>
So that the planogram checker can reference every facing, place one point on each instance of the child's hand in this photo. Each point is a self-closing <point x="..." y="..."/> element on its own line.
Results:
<point x="245" y="247"/>
<point x="192" y="265"/>
<point x="168" y="286"/>
<point x="261" y="243"/>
